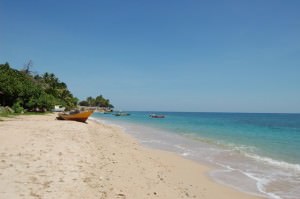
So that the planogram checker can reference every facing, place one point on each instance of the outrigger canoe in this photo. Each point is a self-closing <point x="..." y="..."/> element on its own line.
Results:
<point x="80" y="116"/>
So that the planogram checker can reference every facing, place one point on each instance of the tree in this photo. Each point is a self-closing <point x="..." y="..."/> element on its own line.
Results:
<point x="16" y="86"/>
<point x="21" y="88"/>
<point x="42" y="102"/>
<point x="53" y="86"/>
<point x="27" y="66"/>
<point x="99" y="101"/>
<point x="91" y="101"/>
<point x="83" y="103"/>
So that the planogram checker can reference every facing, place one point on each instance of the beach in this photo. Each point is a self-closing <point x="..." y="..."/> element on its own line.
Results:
<point x="41" y="157"/>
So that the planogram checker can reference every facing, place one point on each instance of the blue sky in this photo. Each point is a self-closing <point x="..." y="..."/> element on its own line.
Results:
<point x="179" y="55"/>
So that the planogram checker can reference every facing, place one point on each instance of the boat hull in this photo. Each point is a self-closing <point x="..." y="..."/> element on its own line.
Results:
<point x="79" y="117"/>
<point x="121" y="114"/>
<point x="156" y="116"/>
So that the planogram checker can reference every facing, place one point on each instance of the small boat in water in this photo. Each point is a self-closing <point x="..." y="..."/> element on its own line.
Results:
<point x="156" y="116"/>
<point x="121" y="114"/>
<point x="75" y="116"/>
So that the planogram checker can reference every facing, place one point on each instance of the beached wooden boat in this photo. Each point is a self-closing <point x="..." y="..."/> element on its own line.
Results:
<point x="76" y="116"/>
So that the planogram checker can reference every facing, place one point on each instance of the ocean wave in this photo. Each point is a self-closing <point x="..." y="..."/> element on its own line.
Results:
<point x="151" y="141"/>
<point x="277" y="163"/>
<point x="225" y="146"/>
<point x="248" y="151"/>
<point x="261" y="184"/>
<point x="106" y="122"/>
<point x="184" y="154"/>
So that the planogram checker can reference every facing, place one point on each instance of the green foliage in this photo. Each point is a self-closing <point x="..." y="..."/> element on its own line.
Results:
<point x="99" y="101"/>
<point x="83" y="103"/>
<point x="16" y="86"/>
<point x="6" y="110"/>
<point x="17" y="107"/>
<point x="21" y="89"/>
<point x="52" y="86"/>
<point x="42" y="102"/>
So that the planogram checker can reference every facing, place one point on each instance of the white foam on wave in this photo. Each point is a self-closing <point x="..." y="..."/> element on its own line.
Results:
<point x="92" y="118"/>
<point x="261" y="184"/>
<point x="227" y="167"/>
<point x="105" y="122"/>
<point x="153" y="142"/>
<point x="180" y="147"/>
<point x="277" y="163"/>
<point x="243" y="148"/>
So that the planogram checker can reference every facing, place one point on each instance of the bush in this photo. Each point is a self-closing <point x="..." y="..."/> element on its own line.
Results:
<point x="6" y="110"/>
<point x="43" y="102"/>
<point x="18" y="108"/>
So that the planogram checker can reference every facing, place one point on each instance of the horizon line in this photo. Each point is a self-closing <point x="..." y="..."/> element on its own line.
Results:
<point x="213" y="112"/>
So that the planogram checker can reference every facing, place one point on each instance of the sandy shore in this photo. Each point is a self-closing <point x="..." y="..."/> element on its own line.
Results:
<point x="41" y="157"/>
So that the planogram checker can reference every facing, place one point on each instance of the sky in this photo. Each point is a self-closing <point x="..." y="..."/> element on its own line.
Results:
<point x="167" y="55"/>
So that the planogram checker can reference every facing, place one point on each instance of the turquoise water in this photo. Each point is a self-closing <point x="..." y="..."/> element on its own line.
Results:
<point x="260" y="149"/>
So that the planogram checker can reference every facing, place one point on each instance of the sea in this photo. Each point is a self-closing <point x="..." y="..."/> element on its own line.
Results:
<point x="257" y="153"/>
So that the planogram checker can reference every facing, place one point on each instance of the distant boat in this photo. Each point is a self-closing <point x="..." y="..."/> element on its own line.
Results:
<point x="121" y="114"/>
<point x="76" y="116"/>
<point x="156" y="116"/>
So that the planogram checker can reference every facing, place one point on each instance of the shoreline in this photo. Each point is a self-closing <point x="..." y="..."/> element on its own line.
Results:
<point x="44" y="158"/>
<point x="246" y="153"/>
